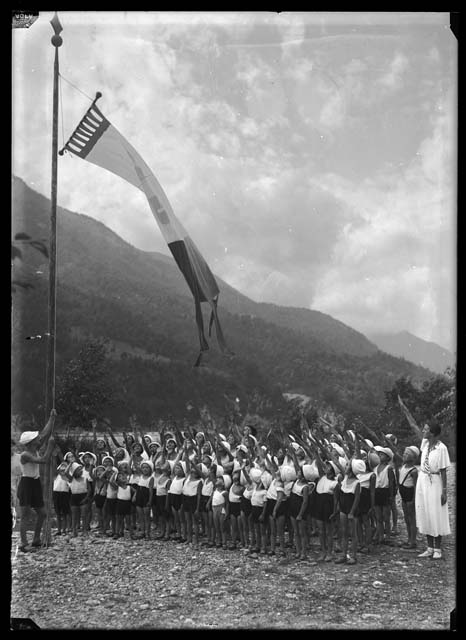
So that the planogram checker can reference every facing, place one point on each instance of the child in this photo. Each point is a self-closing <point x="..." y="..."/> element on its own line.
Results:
<point x="61" y="499"/>
<point x="135" y="469"/>
<point x="80" y="494"/>
<point x="219" y="503"/>
<point x="280" y="514"/>
<point x="259" y="505"/>
<point x="327" y="494"/>
<point x="125" y="495"/>
<point x="299" y="498"/>
<point x="88" y="460"/>
<point x="349" y="500"/>
<point x="246" y="506"/>
<point x="191" y="492"/>
<point x="174" y="497"/>
<point x="206" y="506"/>
<point x="384" y="490"/>
<point x="367" y="480"/>
<point x="110" y="497"/>
<point x="392" y="441"/>
<point x="143" y="501"/>
<point x="100" y="490"/>
<point x="234" y="499"/>
<point x="159" y="495"/>
<point x="407" y="488"/>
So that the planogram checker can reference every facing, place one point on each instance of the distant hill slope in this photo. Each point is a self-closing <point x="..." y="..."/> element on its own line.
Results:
<point x="141" y="303"/>
<point x="421" y="352"/>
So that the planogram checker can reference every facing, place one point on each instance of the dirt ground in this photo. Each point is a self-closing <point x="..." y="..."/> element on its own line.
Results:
<point x="101" y="583"/>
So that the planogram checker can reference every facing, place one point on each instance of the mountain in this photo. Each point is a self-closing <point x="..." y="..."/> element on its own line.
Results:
<point x="408" y="346"/>
<point x="140" y="303"/>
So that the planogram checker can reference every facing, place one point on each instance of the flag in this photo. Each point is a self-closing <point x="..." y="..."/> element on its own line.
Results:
<point x="96" y="140"/>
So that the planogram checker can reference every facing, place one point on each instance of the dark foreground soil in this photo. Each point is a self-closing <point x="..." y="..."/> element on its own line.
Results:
<point x="85" y="583"/>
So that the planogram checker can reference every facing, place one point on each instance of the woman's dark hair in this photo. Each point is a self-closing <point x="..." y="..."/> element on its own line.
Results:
<point x="434" y="427"/>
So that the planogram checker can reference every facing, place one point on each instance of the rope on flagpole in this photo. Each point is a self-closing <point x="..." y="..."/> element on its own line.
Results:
<point x="77" y="88"/>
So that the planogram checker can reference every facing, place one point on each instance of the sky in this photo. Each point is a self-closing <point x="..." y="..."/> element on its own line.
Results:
<point x="310" y="156"/>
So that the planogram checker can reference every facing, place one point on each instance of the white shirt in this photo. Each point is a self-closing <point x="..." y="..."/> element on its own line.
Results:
<point x="61" y="484"/>
<point x="325" y="485"/>
<point x="124" y="493"/>
<point x="218" y="498"/>
<point x="258" y="497"/>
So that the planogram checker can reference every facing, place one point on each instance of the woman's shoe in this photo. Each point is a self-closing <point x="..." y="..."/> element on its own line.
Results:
<point x="428" y="553"/>
<point x="437" y="555"/>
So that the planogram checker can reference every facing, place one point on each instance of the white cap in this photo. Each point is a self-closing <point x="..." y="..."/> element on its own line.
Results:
<point x="28" y="436"/>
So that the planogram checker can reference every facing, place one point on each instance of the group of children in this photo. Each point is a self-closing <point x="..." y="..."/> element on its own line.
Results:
<point x="237" y="493"/>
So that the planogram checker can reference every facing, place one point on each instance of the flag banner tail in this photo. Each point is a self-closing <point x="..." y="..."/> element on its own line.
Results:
<point x="218" y="329"/>
<point x="96" y="140"/>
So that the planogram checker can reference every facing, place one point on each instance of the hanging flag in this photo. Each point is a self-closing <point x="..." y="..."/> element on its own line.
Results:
<point x="95" y="139"/>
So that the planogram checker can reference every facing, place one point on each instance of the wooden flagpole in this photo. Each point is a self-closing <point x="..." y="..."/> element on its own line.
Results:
<point x="51" y="345"/>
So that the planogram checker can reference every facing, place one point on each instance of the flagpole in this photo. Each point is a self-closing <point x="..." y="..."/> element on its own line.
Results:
<point x="51" y="345"/>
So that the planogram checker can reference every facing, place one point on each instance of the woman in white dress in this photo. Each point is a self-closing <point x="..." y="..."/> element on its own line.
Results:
<point x="431" y="488"/>
<point x="431" y="491"/>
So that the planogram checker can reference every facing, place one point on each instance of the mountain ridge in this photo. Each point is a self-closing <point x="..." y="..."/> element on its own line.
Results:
<point x="425" y="353"/>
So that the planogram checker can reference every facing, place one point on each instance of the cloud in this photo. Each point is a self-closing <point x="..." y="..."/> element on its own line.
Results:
<point x="393" y="79"/>
<point x="395" y="259"/>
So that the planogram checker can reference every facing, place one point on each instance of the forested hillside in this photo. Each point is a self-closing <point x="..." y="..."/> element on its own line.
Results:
<point x="140" y="303"/>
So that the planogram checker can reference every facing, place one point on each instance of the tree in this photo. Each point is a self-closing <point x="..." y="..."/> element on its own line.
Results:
<point x="435" y="398"/>
<point x="86" y="387"/>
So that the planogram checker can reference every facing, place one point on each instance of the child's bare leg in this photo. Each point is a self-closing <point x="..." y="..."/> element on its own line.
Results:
<point x="303" y="534"/>
<point x="322" y="541"/>
<point x="354" y="537"/>
<point x="188" y="523"/>
<point x="328" y="529"/>
<point x="296" y="537"/>
<point x="344" y="536"/>
<point x="263" y="536"/>
<point x="25" y="514"/>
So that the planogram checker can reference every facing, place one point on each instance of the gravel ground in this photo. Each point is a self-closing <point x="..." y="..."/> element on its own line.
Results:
<point x="101" y="583"/>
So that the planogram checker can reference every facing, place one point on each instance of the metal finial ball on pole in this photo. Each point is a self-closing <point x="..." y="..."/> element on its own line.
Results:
<point x="57" y="41"/>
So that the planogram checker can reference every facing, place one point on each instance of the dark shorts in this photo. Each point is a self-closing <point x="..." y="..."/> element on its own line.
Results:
<point x="203" y="505"/>
<point x="175" y="500"/>
<point x="159" y="506"/>
<point x="110" y="506"/>
<point x="123" y="507"/>
<point x="346" y="502"/>
<point x="324" y="506"/>
<point x="99" y="501"/>
<point x="255" y="513"/>
<point x="30" y="493"/>
<point x="245" y="506"/>
<point x="407" y="493"/>
<point x="142" y="496"/>
<point x="382" y="497"/>
<point x="295" y="504"/>
<point x="77" y="498"/>
<point x="189" y="503"/>
<point x="61" y="502"/>
<point x="281" y="511"/>
<point x="364" y="502"/>
<point x="311" y="509"/>
<point x="235" y="509"/>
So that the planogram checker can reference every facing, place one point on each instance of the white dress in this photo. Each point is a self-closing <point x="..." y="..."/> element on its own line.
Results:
<point x="431" y="516"/>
